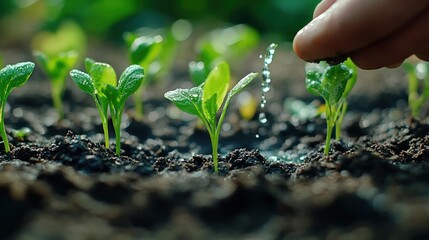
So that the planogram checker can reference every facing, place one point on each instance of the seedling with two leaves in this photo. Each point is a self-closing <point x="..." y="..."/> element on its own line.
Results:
<point x="57" y="68"/>
<point x="109" y="94"/>
<point x="205" y="100"/>
<point x="144" y="51"/>
<point x="333" y="83"/>
<point x="11" y="77"/>
<point x="57" y="51"/>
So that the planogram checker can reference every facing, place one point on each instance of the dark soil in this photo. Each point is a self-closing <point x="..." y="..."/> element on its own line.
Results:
<point x="59" y="182"/>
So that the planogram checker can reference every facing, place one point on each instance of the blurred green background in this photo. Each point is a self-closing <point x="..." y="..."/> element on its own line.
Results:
<point x="109" y="19"/>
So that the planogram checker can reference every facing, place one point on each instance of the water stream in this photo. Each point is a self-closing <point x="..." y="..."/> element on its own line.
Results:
<point x="266" y="80"/>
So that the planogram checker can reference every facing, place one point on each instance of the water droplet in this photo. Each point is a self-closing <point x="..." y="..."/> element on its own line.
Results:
<point x="266" y="75"/>
<point x="265" y="72"/>
<point x="262" y="118"/>
<point x="266" y="80"/>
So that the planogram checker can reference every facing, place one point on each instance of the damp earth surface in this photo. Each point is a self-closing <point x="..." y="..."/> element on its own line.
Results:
<point x="59" y="181"/>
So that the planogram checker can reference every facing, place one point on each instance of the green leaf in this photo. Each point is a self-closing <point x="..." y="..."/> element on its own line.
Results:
<point x="89" y="62"/>
<point x="145" y="49"/>
<point x="112" y="94"/>
<point x="328" y="81"/>
<point x="57" y="66"/>
<point x="314" y="77"/>
<point x="198" y="72"/>
<point x="352" y="81"/>
<point x="13" y="76"/>
<point x="130" y="81"/>
<point x="210" y="109"/>
<point x="215" y="89"/>
<point x="242" y="84"/>
<point x="208" y="54"/>
<point x="83" y="81"/>
<point x="335" y="81"/>
<point x="187" y="100"/>
<point x="129" y="38"/>
<point x="102" y="74"/>
<point x="68" y="59"/>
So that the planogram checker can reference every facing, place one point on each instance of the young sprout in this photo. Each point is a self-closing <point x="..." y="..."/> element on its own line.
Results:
<point x="333" y="84"/>
<point x="99" y="75"/>
<point x="108" y="93"/>
<point x="207" y="99"/>
<point x="143" y="51"/>
<point x="21" y="134"/>
<point x="56" y="68"/>
<point x="418" y="85"/>
<point x="222" y="44"/>
<point x="11" y="76"/>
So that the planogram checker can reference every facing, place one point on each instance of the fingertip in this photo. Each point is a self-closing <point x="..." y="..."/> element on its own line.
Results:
<point x="363" y="63"/>
<point x="369" y="62"/>
<point x="395" y="65"/>
<point x="313" y="42"/>
<point x="322" y="7"/>
<point x="301" y="46"/>
<point x="296" y="45"/>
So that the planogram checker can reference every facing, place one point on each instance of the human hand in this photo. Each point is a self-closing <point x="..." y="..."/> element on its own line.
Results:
<point x="373" y="33"/>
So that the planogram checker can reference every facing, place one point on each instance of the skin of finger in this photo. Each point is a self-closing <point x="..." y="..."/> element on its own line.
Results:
<point x="395" y="65"/>
<point x="410" y="39"/>
<point x="322" y="7"/>
<point x="352" y="24"/>
<point x="423" y="54"/>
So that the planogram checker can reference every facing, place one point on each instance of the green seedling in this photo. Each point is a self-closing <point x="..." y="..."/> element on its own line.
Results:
<point x="418" y="85"/>
<point x="206" y="100"/>
<point x="56" y="68"/>
<point x="167" y="41"/>
<point x="108" y="93"/>
<point x="93" y="84"/>
<point x="222" y="44"/>
<point x="11" y="77"/>
<point x="333" y="84"/>
<point x="21" y="134"/>
<point x="143" y="51"/>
